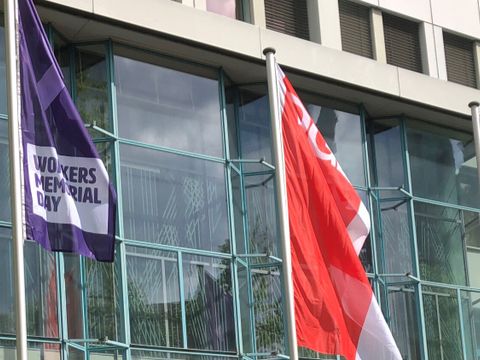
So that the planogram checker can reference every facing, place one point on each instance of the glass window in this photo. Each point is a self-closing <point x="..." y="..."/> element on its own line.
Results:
<point x="268" y="307"/>
<point x="254" y="127"/>
<point x="471" y="322"/>
<point x="5" y="214"/>
<point x="388" y="154"/>
<point x="3" y="79"/>
<point x="102" y="306"/>
<point x="74" y="296"/>
<point x="394" y="237"/>
<point x="440" y="243"/>
<point x="7" y="312"/>
<point x="403" y="320"/>
<point x="261" y="215"/>
<point x="443" y="164"/>
<point x="209" y="303"/>
<point x="231" y="8"/>
<point x="92" y="86"/>
<point x="442" y="323"/>
<point x="174" y="200"/>
<point x="154" y="297"/>
<point x="166" y="107"/>
<point x="40" y="291"/>
<point x="343" y="134"/>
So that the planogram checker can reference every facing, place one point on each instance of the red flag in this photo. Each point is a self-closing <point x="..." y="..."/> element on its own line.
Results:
<point x="335" y="310"/>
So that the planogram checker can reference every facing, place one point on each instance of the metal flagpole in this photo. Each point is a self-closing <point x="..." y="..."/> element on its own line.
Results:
<point x="281" y="190"/>
<point x="13" y="102"/>
<point x="476" y="132"/>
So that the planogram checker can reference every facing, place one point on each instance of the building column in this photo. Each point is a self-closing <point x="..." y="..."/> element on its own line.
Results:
<point x="440" y="52"/>
<point x="313" y="9"/>
<point x="188" y="2"/>
<point x="476" y="56"/>
<point x="325" y="26"/>
<point x="378" y="38"/>
<point x="428" y="49"/>
<point x="257" y="13"/>
<point x="201" y="4"/>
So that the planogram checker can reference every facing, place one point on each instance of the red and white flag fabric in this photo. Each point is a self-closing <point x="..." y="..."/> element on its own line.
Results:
<point x="335" y="309"/>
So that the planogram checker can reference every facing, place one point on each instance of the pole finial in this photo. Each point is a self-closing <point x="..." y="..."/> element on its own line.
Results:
<point x="473" y="103"/>
<point x="269" y="50"/>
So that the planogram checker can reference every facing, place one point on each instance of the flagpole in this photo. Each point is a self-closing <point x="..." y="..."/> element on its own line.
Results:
<point x="11" y="55"/>
<point x="476" y="132"/>
<point x="281" y="191"/>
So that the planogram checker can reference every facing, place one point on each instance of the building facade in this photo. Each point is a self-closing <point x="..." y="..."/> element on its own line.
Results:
<point x="174" y="95"/>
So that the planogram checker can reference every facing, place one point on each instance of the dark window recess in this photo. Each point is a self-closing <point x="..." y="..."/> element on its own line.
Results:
<point x="288" y="17"/>
<point x="355" y="28"/>
<point x="402" y="42"/>
<point x="460" y="60"/>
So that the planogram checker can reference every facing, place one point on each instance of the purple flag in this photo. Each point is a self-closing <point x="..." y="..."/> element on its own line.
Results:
<point x="69" y="201"/>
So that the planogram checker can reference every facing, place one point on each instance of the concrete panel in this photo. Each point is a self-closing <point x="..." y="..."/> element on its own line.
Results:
<point x="171" y="18"/>
<point x="416" y="9"/>
<point x="368" y="2"/>
<point x="329" y="24"/>
<point x="461" y="16"/>
<point x="334" y="64"/>
<point x="438" y="93"/>
<point x="440" y="52"/>
<point x="427" y="45"/>
<point x="257" y="10"/>
<point x="378" y="38"/>
<point x="84" y="5"/>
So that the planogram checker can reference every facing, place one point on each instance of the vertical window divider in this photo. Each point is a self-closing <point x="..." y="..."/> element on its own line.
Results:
<point x="181" y="281"/>
<point x="414" y="245"/>
<point x="460" y="317"/>
<point x="245" y="225"/>
<point x="121" y="257"/>
<point x="60" y="271"/>
<point x="230" y="214"/>
<point x="366" y="171"/>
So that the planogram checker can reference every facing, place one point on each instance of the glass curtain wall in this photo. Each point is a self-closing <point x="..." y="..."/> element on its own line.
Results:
<point x="197" y="271"/>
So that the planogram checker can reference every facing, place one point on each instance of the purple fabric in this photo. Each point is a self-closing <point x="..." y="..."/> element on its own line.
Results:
<point x="51" y="123"/>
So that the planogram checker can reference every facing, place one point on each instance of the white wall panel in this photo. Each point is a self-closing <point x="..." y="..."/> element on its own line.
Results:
<point x="458" y="15"/>
<point x="417" y="9"/>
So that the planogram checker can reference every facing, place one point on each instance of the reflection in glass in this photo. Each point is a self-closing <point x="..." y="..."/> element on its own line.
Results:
<point x="395" y="237"/>
<point x="245" y="304"/>
<point x="267" y="294"/>
<point x="471" y="322"/>
<point x="73" y="295"/>
<point x="442" y="324"/>
<point x="62" y="54"/>
<point x="40" y="291"/>
<point x="440" y="243"/>
<point x="7" y="312"/>
<point x="102" y="307"/>
<point x="161" y="106"/>
<point x="153" y="296"/>
<point x="230" y="8"/>
<point x="342" y="132"/>
<point x="254" y="127"/>
<point x="92" y="85"/>
<point x="174" y="200"/>
<point x="5" y="214"/>
<point x="164" y="355"/>
<point x="209" y="303"/>
<point x="403" y="321"/>
<point x="35" y="350"/>
<point x="388" y="153"/>
<point x="471" y="223"/>
<point x="443" y="165"/>
<point x="3" y="85"/>
<point x="261" y="214"/>
<point x="238" y="212"/>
